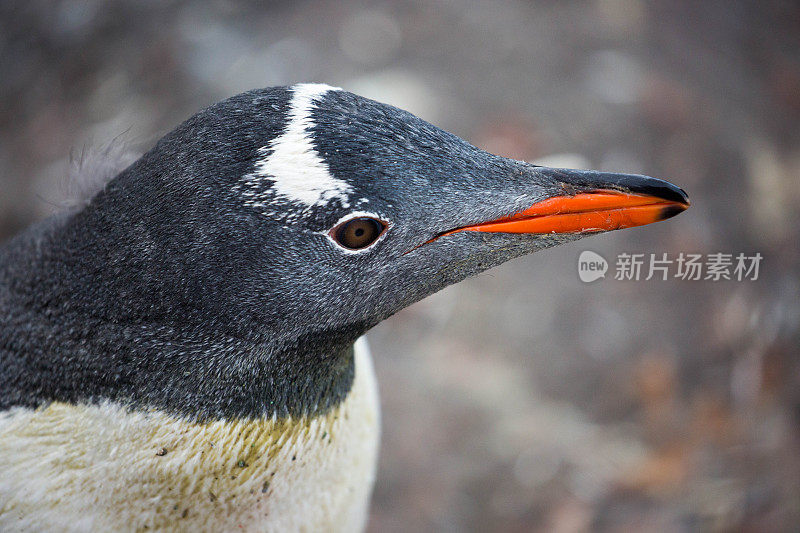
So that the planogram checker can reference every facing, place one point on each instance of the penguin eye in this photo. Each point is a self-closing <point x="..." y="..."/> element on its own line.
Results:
<point x="358" y="233"/>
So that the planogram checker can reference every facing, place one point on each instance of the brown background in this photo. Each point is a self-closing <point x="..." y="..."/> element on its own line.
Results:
<point x="522" y="399"/>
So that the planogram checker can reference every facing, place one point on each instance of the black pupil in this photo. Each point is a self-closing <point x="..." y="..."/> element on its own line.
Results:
<point x="359" y="232"/>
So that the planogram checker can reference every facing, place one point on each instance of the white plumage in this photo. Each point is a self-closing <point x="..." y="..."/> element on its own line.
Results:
<point x="101" y="468"/>
<point x="291" y="163"/>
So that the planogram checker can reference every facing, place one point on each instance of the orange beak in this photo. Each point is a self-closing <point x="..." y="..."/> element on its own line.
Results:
<point x="585" y="212"/>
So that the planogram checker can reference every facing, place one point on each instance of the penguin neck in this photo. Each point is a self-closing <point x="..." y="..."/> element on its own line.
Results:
<point x="196" y="375"/>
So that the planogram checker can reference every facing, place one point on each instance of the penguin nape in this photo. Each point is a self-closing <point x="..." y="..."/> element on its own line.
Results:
<point x="183" y="353"/>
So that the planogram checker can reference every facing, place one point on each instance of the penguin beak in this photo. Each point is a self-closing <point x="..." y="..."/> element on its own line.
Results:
<point x="587" y="201"/>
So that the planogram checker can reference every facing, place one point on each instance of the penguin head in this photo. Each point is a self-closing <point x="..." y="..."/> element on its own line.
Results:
<point x="297" y="212"/>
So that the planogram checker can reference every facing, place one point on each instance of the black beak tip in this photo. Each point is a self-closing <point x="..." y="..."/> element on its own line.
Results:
<point x="635" y="183"/>
<point x="672" y="210"/>
<point x="661" y="189"/>
<point x="658" y="188"/>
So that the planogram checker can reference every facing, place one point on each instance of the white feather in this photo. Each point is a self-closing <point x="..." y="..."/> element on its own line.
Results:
<point x="291" y="163"/>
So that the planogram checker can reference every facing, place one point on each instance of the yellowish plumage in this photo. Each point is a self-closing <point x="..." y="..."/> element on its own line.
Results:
<point x="102" y="467"/>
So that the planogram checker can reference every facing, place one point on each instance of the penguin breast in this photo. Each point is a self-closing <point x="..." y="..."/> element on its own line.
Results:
<point x="104" y="467"/>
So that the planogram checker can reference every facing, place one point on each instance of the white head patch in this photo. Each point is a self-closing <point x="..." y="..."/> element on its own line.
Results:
<point x="291" y="164"/>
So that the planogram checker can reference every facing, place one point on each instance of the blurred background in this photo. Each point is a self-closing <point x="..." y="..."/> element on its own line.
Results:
<point x="521" y="399"/>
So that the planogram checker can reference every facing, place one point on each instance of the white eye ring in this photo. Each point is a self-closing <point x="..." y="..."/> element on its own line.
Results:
<point x="358" y="232"/>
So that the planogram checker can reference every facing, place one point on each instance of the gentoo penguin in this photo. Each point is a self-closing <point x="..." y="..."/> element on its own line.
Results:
<point x="182" y="353"/>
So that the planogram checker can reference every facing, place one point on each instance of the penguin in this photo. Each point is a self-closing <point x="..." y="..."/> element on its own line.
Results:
<point x="185" y="351"/>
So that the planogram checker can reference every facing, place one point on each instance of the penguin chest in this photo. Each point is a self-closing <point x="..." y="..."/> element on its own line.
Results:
<point x="101" y="467"/>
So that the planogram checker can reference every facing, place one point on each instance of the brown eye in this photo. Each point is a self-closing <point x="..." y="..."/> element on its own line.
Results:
<point x="358" y="233"/>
